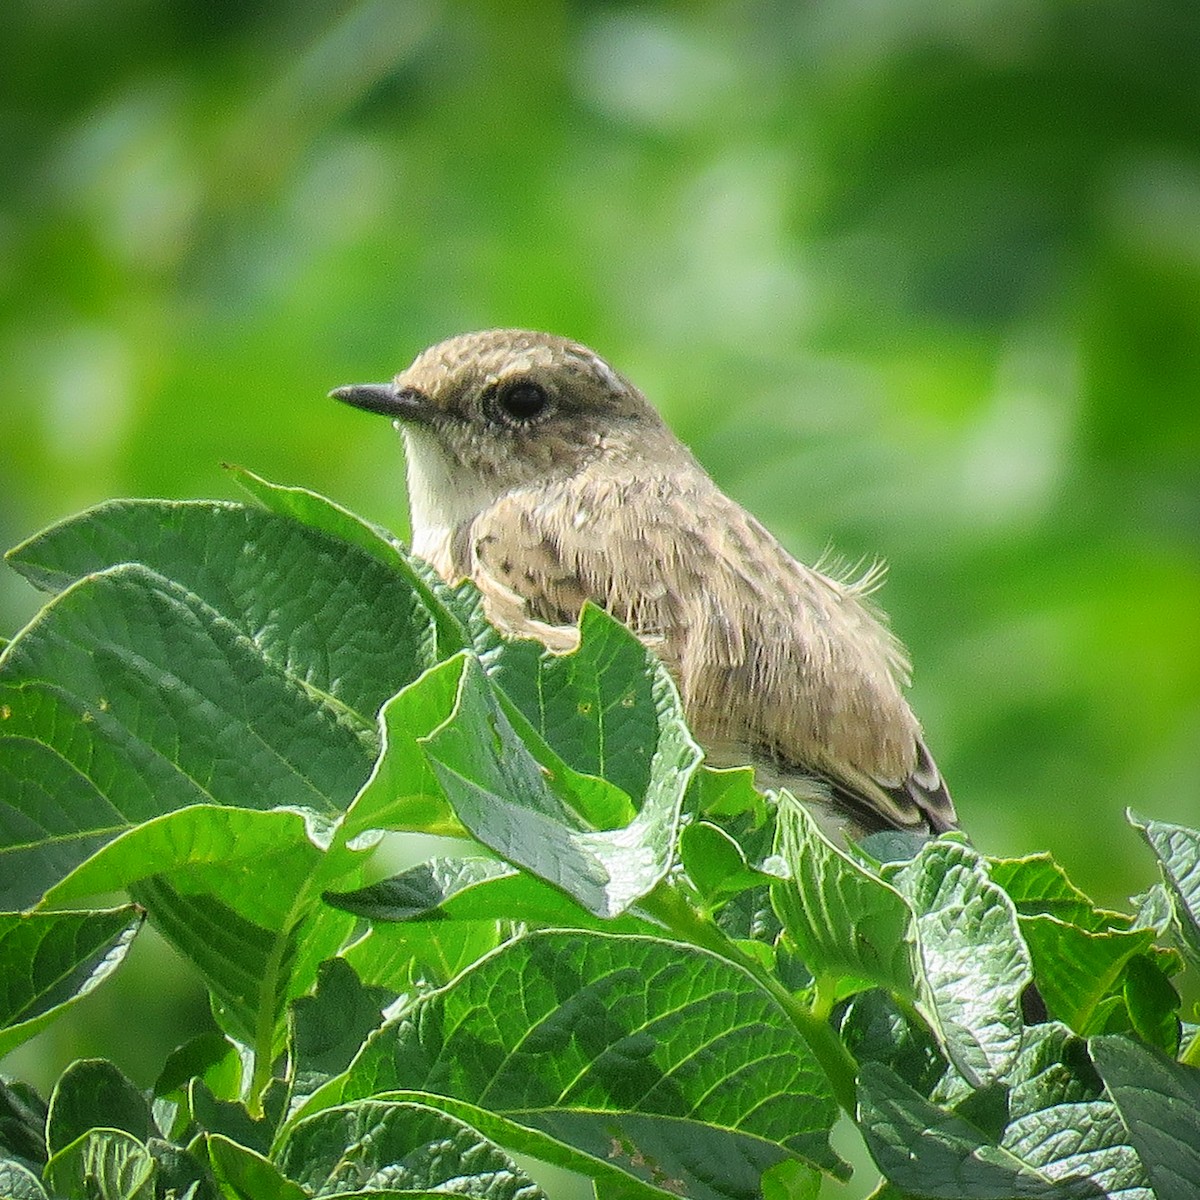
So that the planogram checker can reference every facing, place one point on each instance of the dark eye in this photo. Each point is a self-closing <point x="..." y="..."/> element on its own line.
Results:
<point x="522" y="400"/>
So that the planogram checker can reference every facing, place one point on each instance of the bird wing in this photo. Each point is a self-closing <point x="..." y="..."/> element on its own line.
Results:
<point x="775" y="661"/>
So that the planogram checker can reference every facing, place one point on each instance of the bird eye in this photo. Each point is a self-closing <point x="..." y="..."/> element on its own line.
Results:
<point x="521" y="401"/>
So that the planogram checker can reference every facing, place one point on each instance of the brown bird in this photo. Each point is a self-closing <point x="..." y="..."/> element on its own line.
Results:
<point x="541" y="474"/>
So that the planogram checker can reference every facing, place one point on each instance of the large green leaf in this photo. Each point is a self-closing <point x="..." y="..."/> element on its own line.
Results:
<point x="600" y="707"/>
<point x="207" y="654"/>
<point x="104" y="1164"/>
<point x="219" y="851"/>
<point x="199" y="872"/>
<point x="1080" y="974"/>
<point x="330" y="1026"/>
<point x="325" y="516"/>
<point x="501" y="793"/>
<point x="659" y="1058"/>
<point x="153" y="702"/>
<point x="1177" y="849"/>
<point x="1159" y="1100"/>
<point x="1036" y="884"/>
<point x="476" y="889"/>
<point x="974" y="965"/>
<point x="399" y="1146"/>
<point x="49" y="960"/>
<point x="331" y="615"/>
<point x="845" y="921"/>
<point x="1067" y="1150"/>
<point x="243" y="1174"/>
<point x="402" y="792"/>
<point x="252" y="970"/>
<point x="93" y="1094"/>
<point x="417" y="956"/>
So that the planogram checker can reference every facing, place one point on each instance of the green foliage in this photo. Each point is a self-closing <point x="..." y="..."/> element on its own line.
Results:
<point x="66" y="954"/>
<point x="919" y="284"/>
<point x="237" y="701"/>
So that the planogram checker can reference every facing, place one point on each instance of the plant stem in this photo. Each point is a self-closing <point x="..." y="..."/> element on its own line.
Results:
<point x="669" y="906"/>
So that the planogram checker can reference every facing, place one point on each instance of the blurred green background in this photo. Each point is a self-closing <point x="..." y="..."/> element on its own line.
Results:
<point x="915" y="280"/>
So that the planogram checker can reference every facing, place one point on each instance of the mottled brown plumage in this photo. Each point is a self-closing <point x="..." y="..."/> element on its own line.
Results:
<point x="537" y="471"/>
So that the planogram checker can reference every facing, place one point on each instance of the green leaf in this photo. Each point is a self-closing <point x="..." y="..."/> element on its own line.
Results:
<point x="207" y="653"/>
<point x="422" y="891"/>
<point x="1152" y="1004"/>
<point x="1037" y="885"/>
<point x="322" y="514"/>
<point x="593" y="1040"/>
<point x="608" y="708"/>
<point x="1080" y="974"/>
<point x="330" y="1026"/>
<point x="1083" y="1148"/>
<point x="1159" y="1101"/>
<point x="716" y="864"/>
<point x="845" y="920"/>
<point x="210" y="1057"/>
<point x="475" y="889"/>
<point x="199" y="873"/>
<point x="727" y="792"/>
<point x="974" y="965"/>
<point x="51" y="815"/>
<point x="1154" y="909"/>
<point x="184" y="711"/>
<point x="93" y="1094"/>
<point x="22" y="1123"/>
<point x="243" y="1174"/>
<point x="421" y="955"/>
<point x="195" y="846"/>
<point x="179" y="1173"/>
<point x="19" y="1183"/>
<point x="104" y="1164"/>
<point x="402" y="792"/>
<point x="599" y="707"/>
<point x="348" y="625"/>
<point x="232" y="1119"/>
<point x="252" y="970"/>
<point x="791" y="1181"/>
<point x="1053" y="1068"/>
<point x="376" y="1144"/>
<point x="1067" y="1151"/>
<point x="209" y="849"/>
<point x="1177" y="849"/>
<point x="500" y="793"/>
<point x="50" y="960"/>
<point x="876" y="1029"/>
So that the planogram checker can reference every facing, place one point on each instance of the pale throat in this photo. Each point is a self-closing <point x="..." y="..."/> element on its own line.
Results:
<point x="442" y="493"/>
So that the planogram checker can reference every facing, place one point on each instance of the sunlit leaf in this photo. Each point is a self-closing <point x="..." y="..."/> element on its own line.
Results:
<point x="591" y="1039"/>
<point x="50" y="960"/>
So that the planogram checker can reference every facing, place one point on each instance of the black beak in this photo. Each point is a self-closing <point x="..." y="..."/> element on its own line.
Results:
<point x="384" y="398"/>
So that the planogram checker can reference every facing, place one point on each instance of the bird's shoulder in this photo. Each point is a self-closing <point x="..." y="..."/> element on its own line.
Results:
<point x="620" y="539"/>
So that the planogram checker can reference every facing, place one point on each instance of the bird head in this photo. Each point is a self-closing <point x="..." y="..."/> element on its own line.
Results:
<point x="486" y="413"/>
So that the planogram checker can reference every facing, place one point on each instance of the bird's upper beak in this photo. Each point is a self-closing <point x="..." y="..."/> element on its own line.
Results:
<point x="404" y="404"/>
